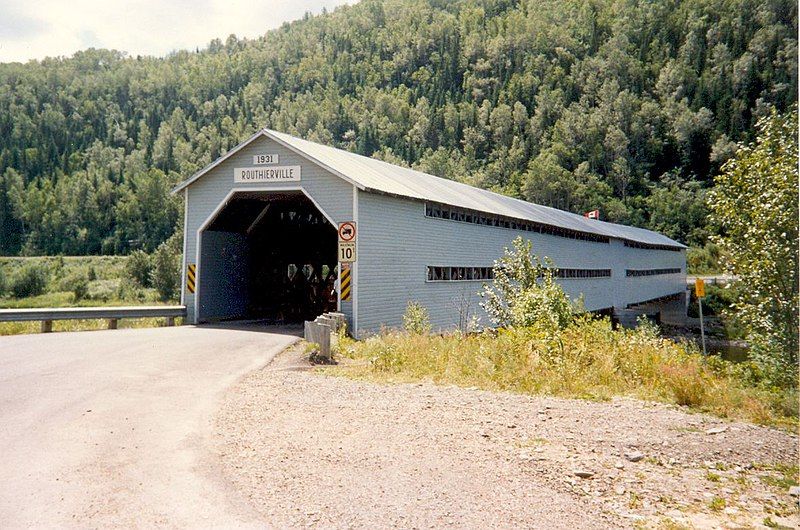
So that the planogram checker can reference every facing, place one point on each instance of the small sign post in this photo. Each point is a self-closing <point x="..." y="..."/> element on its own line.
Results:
<point x="347" y="242"/>
<point x="347" y="232"/>
<point x="347" y="252"/>
<point x="345" y="282"/>
<point x="191" y="275"/>
<point x="700" y="292"/>
<point x="347" y="255"/>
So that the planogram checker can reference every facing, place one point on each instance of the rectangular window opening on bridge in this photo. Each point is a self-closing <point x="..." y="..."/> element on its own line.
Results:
<point x="651" y="272"/>
<point x="452" y="213"/>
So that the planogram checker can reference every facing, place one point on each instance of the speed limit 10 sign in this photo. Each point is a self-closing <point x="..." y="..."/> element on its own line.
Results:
<point x="347" y="252"/>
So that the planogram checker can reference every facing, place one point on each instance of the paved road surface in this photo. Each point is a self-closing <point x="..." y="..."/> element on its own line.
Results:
<point x="111" y="427"/>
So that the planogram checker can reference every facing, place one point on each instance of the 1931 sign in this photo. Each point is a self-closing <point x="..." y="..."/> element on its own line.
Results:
<point x="262" y="160"/>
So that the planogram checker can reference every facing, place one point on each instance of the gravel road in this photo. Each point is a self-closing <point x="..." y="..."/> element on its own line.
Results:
<point x="111" y="428"/>
<point x="313" y="450"/>
<point x="191" y="428"/>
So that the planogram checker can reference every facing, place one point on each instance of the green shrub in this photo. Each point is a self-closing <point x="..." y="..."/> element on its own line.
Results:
<point x="125" y="290"/>
<point x="416" y="319"/>
<point x="77" y="284"/>
<point x="139" y="267"/>
<point x="524" y="292"/>
<point x="30" y="280"/>
<point x="80" y="288"/>
<point x="165" y="275"/>
<point x="704" y="260"/>
<point x="685" y="382"/>
<point x="103" y="290"/>
<point x="717" y="302"/>
<point x="58" y="266"/>
<point x="131" y="292"/>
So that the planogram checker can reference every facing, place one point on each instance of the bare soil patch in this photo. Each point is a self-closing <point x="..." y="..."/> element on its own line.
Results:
<point x="311" y="449"/>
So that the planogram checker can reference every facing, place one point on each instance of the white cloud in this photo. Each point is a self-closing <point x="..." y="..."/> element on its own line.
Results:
<point x="46" y="28"/>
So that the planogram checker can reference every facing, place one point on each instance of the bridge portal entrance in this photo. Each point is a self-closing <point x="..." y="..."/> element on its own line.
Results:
<point x="267" y="255"/>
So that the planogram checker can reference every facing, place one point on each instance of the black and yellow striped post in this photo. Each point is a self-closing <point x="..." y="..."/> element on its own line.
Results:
<point x="191" y="274"/>
<point x="346" y="283"/>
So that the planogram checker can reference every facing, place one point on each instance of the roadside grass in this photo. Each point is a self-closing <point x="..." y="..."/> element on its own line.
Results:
<point x="784" y="476"/>
<point x="107" y="285"/>
<point x="58" y="299"/>
<point x="717" y="504"/>
<point x="108" y="294"/>
<point x="586" y="360"/>
<point x="103" y="267"/>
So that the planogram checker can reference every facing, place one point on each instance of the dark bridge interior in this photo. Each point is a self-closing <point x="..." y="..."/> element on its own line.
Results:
<point x="268" y="255"/>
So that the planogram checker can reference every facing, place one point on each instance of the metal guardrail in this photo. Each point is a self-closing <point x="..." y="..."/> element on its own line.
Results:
<point x="718" y="279"/>
<point x="48" y="314"/>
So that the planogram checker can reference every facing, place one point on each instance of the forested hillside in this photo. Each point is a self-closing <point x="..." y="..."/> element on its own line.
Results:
<point x="626" y="106"/>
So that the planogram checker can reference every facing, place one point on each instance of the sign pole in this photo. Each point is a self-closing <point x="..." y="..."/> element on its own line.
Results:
<point x="347" y="256"/>
<point x="700" y="292"/>
<point x="702" y="330"/>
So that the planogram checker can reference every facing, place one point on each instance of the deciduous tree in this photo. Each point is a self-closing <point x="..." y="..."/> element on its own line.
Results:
<point x="755" y="204"/>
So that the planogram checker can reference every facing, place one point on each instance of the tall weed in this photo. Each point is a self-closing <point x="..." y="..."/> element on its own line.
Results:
<point x="587" y="359"/>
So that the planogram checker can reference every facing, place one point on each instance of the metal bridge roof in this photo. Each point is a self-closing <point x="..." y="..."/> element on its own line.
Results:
<point x="374" y="175"/>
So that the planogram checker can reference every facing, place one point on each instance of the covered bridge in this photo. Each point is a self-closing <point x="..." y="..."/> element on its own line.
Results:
<point x="261" y="240"/>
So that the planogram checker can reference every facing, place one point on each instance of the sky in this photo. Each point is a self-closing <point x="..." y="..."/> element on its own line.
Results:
<point x="34" y="29"/>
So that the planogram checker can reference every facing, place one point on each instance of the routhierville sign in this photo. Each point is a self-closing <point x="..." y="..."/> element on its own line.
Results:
<point x="267" y="174"/>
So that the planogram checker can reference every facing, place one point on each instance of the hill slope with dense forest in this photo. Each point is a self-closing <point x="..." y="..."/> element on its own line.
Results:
<point x="630" y="107"/>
